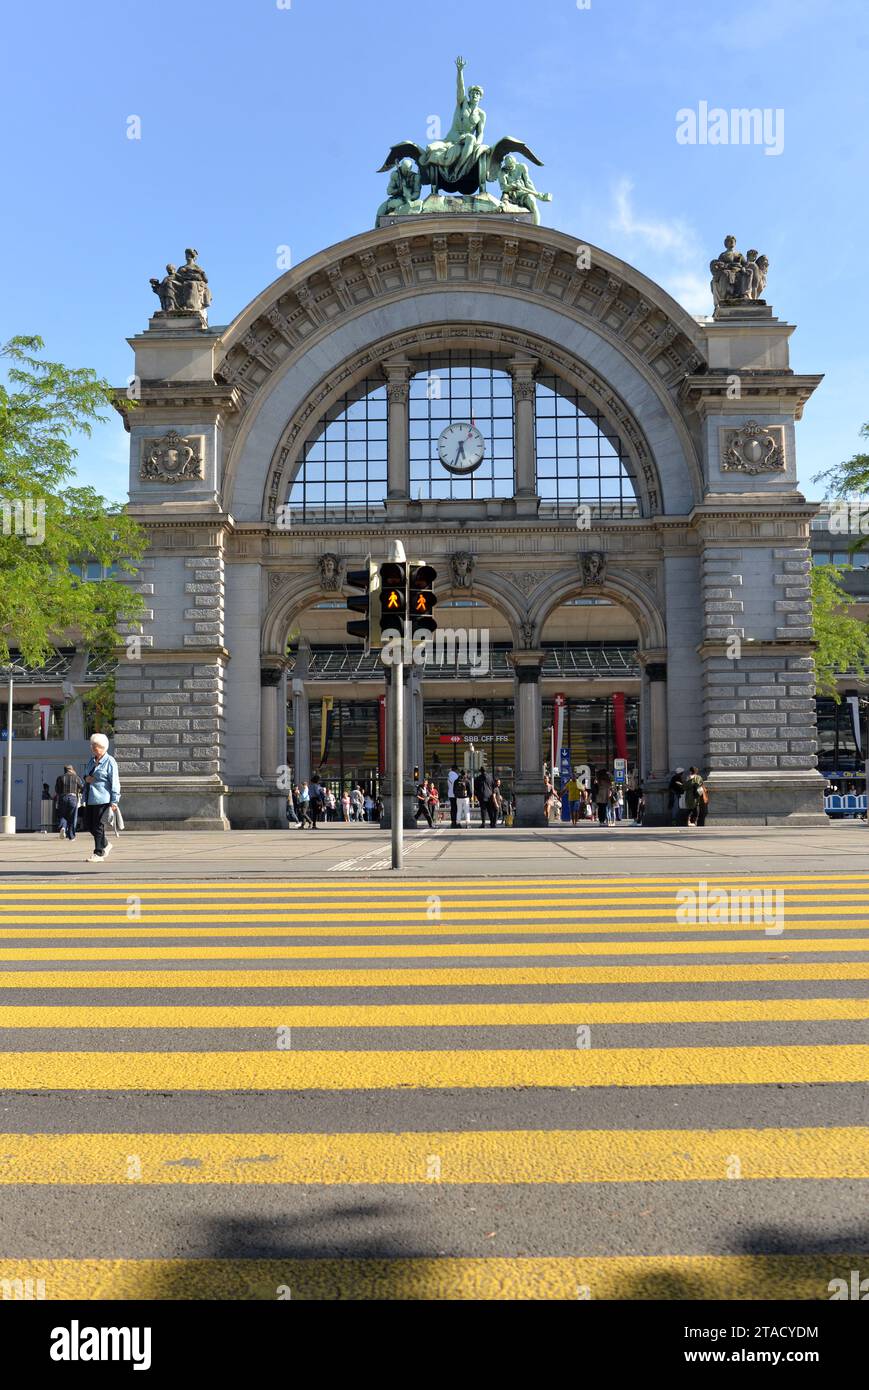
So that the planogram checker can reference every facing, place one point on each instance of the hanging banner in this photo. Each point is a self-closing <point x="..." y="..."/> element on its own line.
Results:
<point x="325" y="726"/>
<point x="854" y="707"/>
<point x="557" y="734"/>
<point x="44" y="717"/>
<point x="620" y="732"/>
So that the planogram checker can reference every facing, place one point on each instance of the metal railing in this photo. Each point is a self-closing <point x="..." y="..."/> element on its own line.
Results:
<point x="351" y="663"/>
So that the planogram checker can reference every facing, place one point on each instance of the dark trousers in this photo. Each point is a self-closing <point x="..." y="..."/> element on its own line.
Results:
<point x="601" y="812"/>
<point x="488" y="808"/>
<point x="95" y="823"/>
<point x="422" y="809"/>
<point x="66" y="815"/>
<point x="454" y="810"/>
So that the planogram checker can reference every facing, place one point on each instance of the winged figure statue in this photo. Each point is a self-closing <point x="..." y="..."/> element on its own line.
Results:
<point x="462" y="162"/>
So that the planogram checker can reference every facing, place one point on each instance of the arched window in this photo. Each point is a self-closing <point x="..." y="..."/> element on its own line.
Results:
<point x="579" y="458"/>
<point x="449" y="388"/>
<point x="342" y="475"/>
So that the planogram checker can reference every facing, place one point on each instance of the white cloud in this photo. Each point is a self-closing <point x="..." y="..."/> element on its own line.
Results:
<point x="673" y="236"/>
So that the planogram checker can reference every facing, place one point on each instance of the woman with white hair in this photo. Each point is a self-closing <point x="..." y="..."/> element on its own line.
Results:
<point x="102" y="793"/>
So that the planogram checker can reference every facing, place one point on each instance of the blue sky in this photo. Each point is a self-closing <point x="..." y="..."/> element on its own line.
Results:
<point x="262" y="124"/>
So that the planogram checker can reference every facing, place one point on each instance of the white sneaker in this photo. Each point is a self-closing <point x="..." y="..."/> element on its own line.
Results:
<point x="62" y="834"/>
<point x="96" y="859"/>
<point x="108" y="849"/>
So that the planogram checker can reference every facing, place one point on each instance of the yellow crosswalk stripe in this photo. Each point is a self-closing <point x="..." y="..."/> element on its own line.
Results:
<point x="431" y="1015"/>
<point x="483" y="1156"/>
<point x="494" y="950"/>
<point x="316" y="888"/>
<point x="294" y="1070"/>
<point x="545" y="920"/>
<point x="629" y="1277"/>
<point x="447" y="976"/>
<point x="423" y="928"/>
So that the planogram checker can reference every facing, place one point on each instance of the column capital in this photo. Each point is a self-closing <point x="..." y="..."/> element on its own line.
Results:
<point x="522" y="368"/>
<point x="527" y="664"/>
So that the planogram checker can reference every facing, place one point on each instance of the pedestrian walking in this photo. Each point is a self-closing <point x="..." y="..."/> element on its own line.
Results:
<point x="305" y="805"/>
<point x="498" y="800"/>
<point x="574" y="800"/>
<point x="102" y="793"/>
<point x="67" y="794"/>
<point x="695" y="791"/>
<point x="292" y="808"/>
<point x="316" y="800"/>
<point x="357" y="803"/>
<point x="602" y="789"/>
<point x="675" y="792"/>
<point x="368" y="806"/>
<point x="483" y="789"/>
<point x="463" y="801"/>
<point x="452" y="778"/>
<point x="422" y="802"/>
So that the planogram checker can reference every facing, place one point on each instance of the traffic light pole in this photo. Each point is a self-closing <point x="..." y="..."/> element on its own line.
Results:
<point x="396" y="553"/>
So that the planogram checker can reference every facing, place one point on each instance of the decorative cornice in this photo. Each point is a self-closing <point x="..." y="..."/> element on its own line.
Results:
<point x="535" y="263"/>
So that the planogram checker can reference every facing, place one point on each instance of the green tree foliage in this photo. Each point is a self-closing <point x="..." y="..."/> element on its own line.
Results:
<point x="850" y="478"/>
<point x="49" y="525"/>
<point x="843" y="641"/>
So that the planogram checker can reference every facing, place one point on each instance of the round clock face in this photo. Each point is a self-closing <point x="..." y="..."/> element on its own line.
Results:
<point x="474" y="718"/>
<point x="461" y="447"/>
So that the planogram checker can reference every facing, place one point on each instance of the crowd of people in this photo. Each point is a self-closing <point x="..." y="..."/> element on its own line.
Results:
<point x="605" y="801"/>
<point x="309" y="804"/>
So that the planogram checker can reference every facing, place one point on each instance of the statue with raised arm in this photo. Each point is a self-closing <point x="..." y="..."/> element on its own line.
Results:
<point x="462" y="162"/>
<point x="517" y="188"/>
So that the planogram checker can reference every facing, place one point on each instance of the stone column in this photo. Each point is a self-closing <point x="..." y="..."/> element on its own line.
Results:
<point x="529" y="736"/>
<point x="302" y="732"/>
<point x="522" y="370"/>
<point x="656" y="674"/>
<point x="656" y="757"/>
<point x="270" y="755"/>
<point x="398" y="371"/>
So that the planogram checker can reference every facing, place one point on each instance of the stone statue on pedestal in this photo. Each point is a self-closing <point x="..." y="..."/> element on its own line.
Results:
<point x="461" y="163"/>
<point x="184" y="290"/>
<point x="737" y="277"/>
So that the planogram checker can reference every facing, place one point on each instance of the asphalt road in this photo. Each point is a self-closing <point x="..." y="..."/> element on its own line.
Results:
<point x="355" y="1087"/>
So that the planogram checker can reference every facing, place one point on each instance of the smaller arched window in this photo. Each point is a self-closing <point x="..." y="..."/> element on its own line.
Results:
<point x="342" y="474"/>
<point x="580" y="459"/>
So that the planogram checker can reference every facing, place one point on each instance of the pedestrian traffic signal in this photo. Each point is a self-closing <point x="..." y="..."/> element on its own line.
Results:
<point x="393" y="598"/>
<point x="367" y="627"/>
<point x="421" y="598"/>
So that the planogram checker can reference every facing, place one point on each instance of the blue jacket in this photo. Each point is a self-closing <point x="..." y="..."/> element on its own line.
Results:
<point x="106" y="786"/>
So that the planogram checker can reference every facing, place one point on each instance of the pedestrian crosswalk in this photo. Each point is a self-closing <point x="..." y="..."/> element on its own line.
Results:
<point x="511" y="1088"/>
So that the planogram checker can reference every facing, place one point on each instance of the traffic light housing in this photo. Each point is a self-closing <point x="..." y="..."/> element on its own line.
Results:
<point x="368" y="626"/>
<point x="393" y="597"/>
<point x="421" y="598"/>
